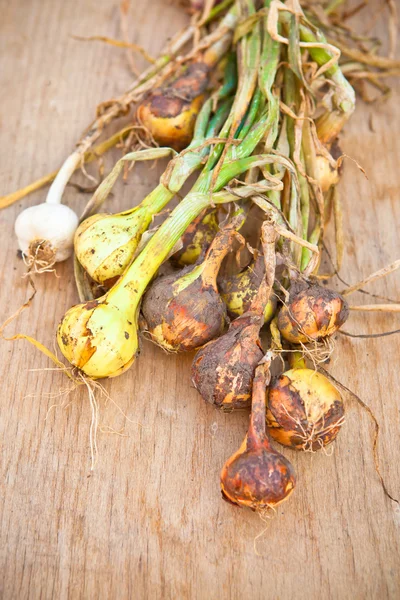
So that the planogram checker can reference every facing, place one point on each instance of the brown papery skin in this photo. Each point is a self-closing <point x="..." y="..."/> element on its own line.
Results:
<point x="185" y="322"/>
<point x="304" y="410"/>
<point x="169" y="113"/>
<point x="314" y="313"/>
<point x="257" y="476"/>
<point x="223" y="371"/>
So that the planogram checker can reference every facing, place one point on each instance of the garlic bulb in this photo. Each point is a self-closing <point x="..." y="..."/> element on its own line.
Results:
<point x="45" y="232"/>
<point x="48" y="230"/>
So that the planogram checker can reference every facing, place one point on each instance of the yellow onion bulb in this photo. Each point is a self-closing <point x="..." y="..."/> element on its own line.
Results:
<point x="312" y="314"/>
<point x="326" y="174"/>
<point x="105" y="244"/>
<point x="169" y="113"/>
<point x="304" y="410"/>
<point x="98" y="339"/>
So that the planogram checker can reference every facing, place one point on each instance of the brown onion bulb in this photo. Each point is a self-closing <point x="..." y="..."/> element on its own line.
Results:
<point x="169" y="113"/>
<point x="304" y="410"/>
<point x="311" y="314"/>
<point x="185" y="311"/>
<point x="223" y="371"/>
<point x="257" y="476"/>
<point x="197" y="239"/>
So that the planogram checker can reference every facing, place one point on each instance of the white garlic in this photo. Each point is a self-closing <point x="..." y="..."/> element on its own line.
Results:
<point x="46" y="231"/>
<point x="53" y="224"/>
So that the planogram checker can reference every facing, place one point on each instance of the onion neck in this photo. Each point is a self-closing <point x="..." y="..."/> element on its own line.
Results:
<point x="215" y="255"/>
<point x="257" y="429"/>
<point x="157" y="199"/>
<point x="127" y="293"/>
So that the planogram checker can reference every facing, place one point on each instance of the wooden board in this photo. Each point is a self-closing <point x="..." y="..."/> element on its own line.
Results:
<point x="149" y="521"/>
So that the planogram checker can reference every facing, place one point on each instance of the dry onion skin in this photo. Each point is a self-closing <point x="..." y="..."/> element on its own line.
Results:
<point x="312" y="314"/>
<point x="304" y="410"/>
<point x="223" y="371"/>
<point x="257" y="476"/>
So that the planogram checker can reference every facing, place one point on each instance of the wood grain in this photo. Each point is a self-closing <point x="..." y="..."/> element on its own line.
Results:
<point x="149" y="521"/>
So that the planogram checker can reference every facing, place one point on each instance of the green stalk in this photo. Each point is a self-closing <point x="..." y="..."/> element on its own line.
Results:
<point x="267" y="73"/>
<point x="217" y="10"/>
<point x="331" y="123"/>
<point x="249" y="56"/>
<point x="144" y="267"/>
<point x="313" y="239"/>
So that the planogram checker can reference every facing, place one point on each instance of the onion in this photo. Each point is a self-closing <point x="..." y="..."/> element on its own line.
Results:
<point x="223" y="371"/>
<point x="169" y="112"/>
<point x="184" y="310"/>
<point x="257" y="476"/>
<point x="311" y="314"/>
<point x="326" y="174"/>
<point x="304" y="410"/>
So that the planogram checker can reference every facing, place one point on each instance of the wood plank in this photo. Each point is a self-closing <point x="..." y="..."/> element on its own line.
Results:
<point x="149" y="521"/>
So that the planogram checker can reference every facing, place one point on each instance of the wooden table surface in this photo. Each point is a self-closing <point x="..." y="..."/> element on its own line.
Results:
<point x="149" y="522"/>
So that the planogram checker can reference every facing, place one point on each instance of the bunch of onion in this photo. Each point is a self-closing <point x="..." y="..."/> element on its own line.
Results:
<point x="257" y="476"/>
<point x="223" y="370"/>
<point x="105" y="244"/>
<point x="101" y="337"/>
<point x="45" y="232"/>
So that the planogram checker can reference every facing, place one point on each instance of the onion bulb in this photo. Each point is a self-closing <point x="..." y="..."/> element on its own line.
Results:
<point x="304" y="410"/>
<point x="257" y="476"/>
<point x="223" y="371"/>
<point x="326" y="174"/>
<point x="311" y="314"/>
<point x="184" y="310"/>
<point x="169" y="112"/>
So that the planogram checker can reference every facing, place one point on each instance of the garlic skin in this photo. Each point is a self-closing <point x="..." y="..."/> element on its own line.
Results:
<point x="51" y="225"/>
